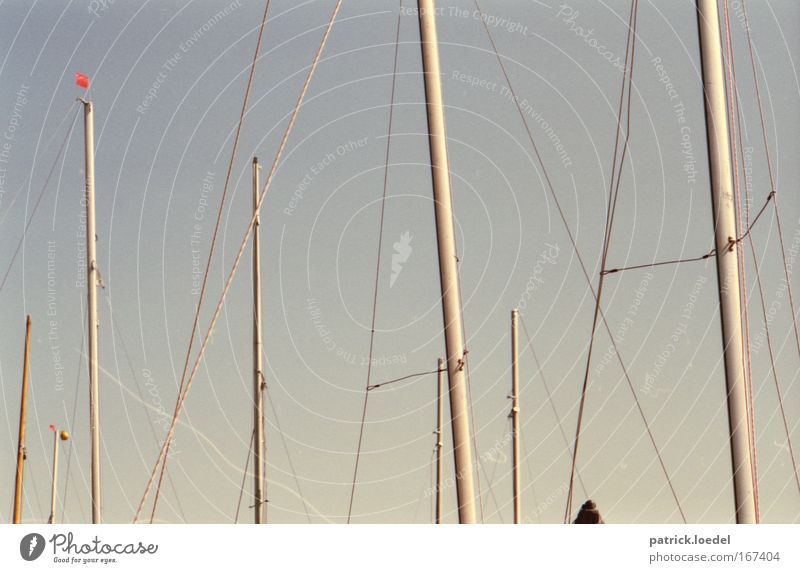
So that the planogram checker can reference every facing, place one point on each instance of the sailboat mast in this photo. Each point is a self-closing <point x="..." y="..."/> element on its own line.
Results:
<point x="91" y="286"/>
<point x="439" y="442"/>
<point x="719" y="153"/>
<point x="258" y="378"/>
<point x="448" y="270"/>
<point x="23" y="409"/>
<point x="515" y="414"/>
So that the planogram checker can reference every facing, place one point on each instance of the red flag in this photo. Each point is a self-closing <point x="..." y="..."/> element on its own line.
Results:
<point x="52" y="428"/>
<point x="82" y="81"/>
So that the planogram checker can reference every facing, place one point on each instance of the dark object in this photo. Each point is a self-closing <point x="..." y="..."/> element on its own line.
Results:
<point x="589" y="514"/>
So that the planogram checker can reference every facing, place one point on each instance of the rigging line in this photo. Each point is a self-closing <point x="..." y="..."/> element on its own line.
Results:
<point x="628" y="74"/>
<point x="240" y="253"/>
<point x="288" y="455"/>
<point x="69" y="473"/>
<point x="733" y="109"/>
<point x="551" y="189"/>
<point x="201" y="296"/>
<point x="41" y="194"/>
<point x="417" y="375"/>
<point x="46" y="147"/>
<point x="709" y="254"/>
<point x="630" y="51"/>
<point x="550" y="400"/>
<point x="780" y="235"/>
<point x="489" y="478"/>
<point x="770" y="197"/>
<point x="611" y="209"/>
<point x="71" y="421"/>
<point x="115" y="328"/>
<point x="764" y="316"/>
<point x="244" y="476"/>
<point x="773" y="368"/>
<point x="377" y="266"/>
<point x="526" y="457"/>
<point x="772" y="184"/>
<point x="32" y="480"/>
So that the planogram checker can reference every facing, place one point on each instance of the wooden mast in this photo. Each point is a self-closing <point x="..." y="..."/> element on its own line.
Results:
<point x="23" y="408"/>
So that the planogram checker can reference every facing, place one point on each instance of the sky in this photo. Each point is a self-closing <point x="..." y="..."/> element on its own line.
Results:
<point x="167" y="84"/>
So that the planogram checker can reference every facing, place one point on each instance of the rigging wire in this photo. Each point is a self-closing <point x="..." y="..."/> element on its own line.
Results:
<point x="526" y="457"/>
<point x="709" y="254"/>
<point x="288" y="455"/>
<point x="377" y="268"/>
<point x="613" y="194"/>
<point x="46" y="147"/>
<point x="630" y="51"/>
<point x="32" y="479"/>
<point x="490" y="478"/>
<point x="772" y="184"/>
<point x="762" y="299"/>
<point x="71" y="420"/>
<point x="244" y="477"/>
<point x="41" y="194"/>
<point x="551" y="189"/>
<point x="115" y="328"/>
<point x="201" y="296"/>
<point x="429" y="478"/>
<point x="417" y="375"/>
<point x="550" y="401"/>
<point x="774" y="369"/>
<point x="240" y="253"/>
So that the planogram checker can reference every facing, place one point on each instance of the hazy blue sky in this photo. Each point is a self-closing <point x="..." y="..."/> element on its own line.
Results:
<point x="167" y="84"/>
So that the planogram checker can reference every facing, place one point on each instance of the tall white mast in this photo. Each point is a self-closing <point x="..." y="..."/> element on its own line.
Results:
<point x="515" y="414"/>
<point x="258" y="377"/>
<point x="719" y="153"/>
<point x="91" y="286"/>
<point x="448" y="270"/>
<point x="439" y="441"/>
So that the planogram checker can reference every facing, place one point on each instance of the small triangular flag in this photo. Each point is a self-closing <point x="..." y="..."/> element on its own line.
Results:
<point x="82" y="81"/>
